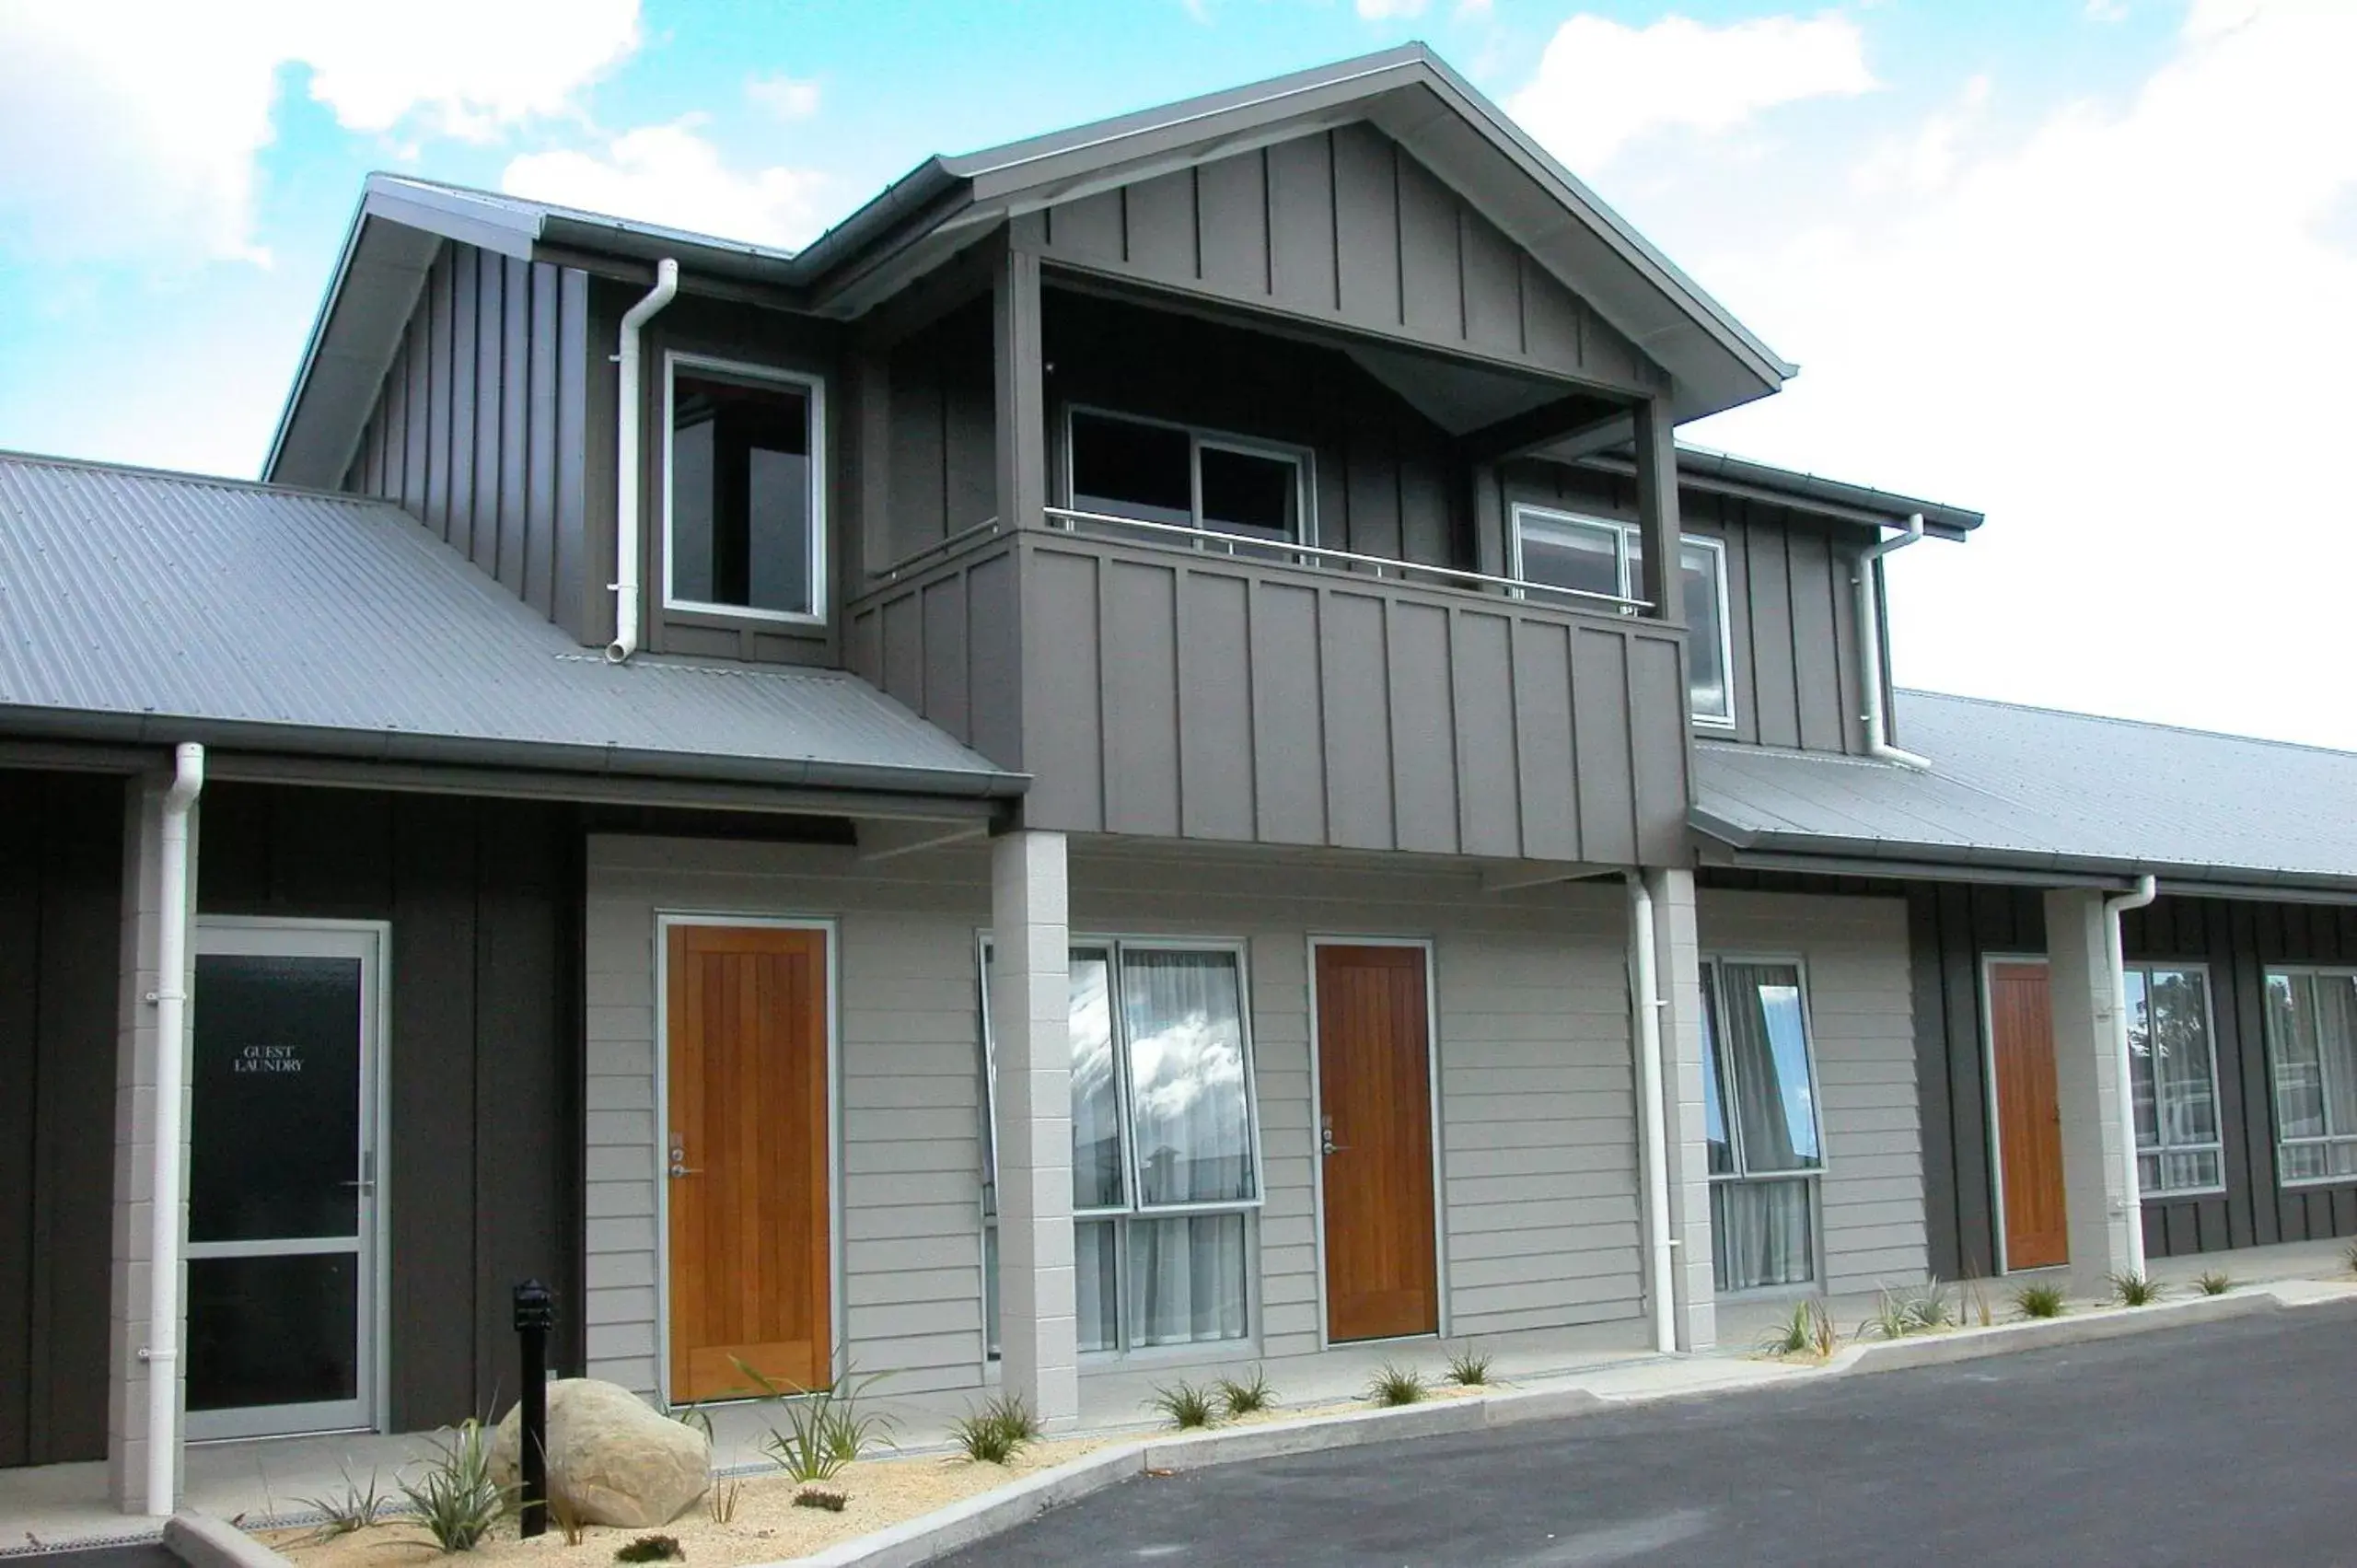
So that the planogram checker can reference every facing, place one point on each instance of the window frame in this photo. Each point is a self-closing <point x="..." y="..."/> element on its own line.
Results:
<point x="813" y="386"/>
<point x="1629" y="536"/>
<point x="1134" y="1208"/>
<point x="1303" y="459"/>
<point x="2217" y="1100"/>
<point x="1712" y="967"/>
<point x="2312" y="972"/>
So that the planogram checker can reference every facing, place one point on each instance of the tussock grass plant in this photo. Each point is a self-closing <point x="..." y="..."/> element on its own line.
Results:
<point x="720" y="1499"/>
<point x="994" y="1433"/>
<point x="2136" y="1290"/>
<point x="1245" y="1395"/>
<point x="1913" y="1310"/>
<point x="2040" y="1301"/>
<point x="354" y="1509"/>
<point x="1394" y="1385"/>
<point x="1184" y="1405"/>
<point x="1807" y="1331"/>
<point x="563" y="1511"/>
<point x="453" y="1496"/>
<point x="1468" y="1367"/>
<point x="820" y="1430"/>
<point x="2217" y="1282"/>
<point x="2350" y="1257"/>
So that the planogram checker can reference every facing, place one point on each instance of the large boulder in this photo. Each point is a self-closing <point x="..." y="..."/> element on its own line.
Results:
<point x="612" y="1457"/>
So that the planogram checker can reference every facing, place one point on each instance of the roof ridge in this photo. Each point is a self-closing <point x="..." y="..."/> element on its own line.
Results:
<point x="2127" y="723"/>
<point x="185" y="476"/>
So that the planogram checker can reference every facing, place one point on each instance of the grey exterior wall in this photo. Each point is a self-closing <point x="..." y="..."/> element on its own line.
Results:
<point x="1853" y="953"/>
<point x="1790" y="610"/>
<point x="1537" y="1203"/>
<point x="1954" y="927"/>
<point x="940" y="424"/>
<point x="60" y="899"/>
<point x="482" y="1055"/>
<point x="482" y="432"/>
<point x="1347" y="228"/>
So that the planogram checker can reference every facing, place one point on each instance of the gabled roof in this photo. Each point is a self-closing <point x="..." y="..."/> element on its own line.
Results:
<point x="946" y="203"/>
<point x="145" y="607"/>
<point x="2037" y="790"/>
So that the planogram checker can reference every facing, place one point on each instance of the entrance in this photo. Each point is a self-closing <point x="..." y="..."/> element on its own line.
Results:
<point x="1375" y="1117"/>
<point x="2029" y="1116"/>
<point x="283" y="1211"/>
<point x="751" y="1280"/>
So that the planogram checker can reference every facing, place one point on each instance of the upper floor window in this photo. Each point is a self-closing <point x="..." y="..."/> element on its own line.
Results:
<point x="744" y="527"/>
<point x="2172" y="1079"/>
<point x="1563" y="550"/>
<point x="1126" y="467"/>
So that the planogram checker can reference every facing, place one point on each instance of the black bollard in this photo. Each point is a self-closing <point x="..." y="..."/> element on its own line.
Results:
<point x="535" y="1316"/>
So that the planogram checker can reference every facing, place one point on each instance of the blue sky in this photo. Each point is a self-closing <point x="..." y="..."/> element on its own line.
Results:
<point x="2086" y="264"/>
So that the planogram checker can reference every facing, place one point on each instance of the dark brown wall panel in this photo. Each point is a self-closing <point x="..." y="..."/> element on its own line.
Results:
<point x="482" y="1178"/>
<point x="60" y="882"/>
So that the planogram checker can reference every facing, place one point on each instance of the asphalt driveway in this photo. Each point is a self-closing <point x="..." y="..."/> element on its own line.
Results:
<point x="2226" y="1445"/>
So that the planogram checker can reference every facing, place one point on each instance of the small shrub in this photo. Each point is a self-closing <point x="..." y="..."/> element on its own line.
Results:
<point x="1246" y="1395"/>
<point x="828" y="1497"/>
<point x="1914" y="1310"/>
<point x="1932" y="1306"/>
<point x="820" y="1430"/>
<point x="1396" y="1386"/>
<point x="2215" y="1283"/>
<point x="354" y="1509"/>
<point x="1185" y="1405"/>
<point x="455" y="1499"/>
<point x="2040" y="1301"/>
<point x="2136" y="1290"/>
<point x="1807" y="1331"/>
<point x="992" y="1435"/>
<point x="650" y="1549"/>
<point x="1469" y="1369"/>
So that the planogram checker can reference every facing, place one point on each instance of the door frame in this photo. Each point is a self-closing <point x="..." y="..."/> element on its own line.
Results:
<point x="1994" y="1118"/>
<point x="1428" y="945"/>
<point x="828" y="924"/>
<point x="376" y="1121"/>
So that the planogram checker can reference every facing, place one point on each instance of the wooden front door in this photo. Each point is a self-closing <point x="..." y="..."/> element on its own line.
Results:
<point x="2029" y="1118"/>
<point x="747" y="1159"/>
<point x="1376" y="1134"/>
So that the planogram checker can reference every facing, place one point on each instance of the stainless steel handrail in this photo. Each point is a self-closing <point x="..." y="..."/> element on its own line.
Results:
<point x="885" y="575"/>
<point x="1316" y="554"/>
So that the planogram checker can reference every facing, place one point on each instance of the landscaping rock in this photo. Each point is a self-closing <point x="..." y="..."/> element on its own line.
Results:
<point x="612" y="1457"/>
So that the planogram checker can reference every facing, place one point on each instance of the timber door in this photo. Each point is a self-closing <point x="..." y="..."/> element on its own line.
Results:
<point x="747" y="1159"/>
<point x="1376" y="1143"/>
<point x="2029" y="1118"/>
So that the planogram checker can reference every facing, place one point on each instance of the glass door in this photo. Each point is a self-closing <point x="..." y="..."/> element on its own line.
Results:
<point x="282" y="1211"/>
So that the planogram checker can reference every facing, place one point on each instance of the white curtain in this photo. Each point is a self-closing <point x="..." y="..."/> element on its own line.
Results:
<point x="1187" y="1276"/>
<point x="1097" y="1163"/>
<point x="1184" y="1013"/>
<point x="1759" y="1234"/>
<point x="1095" y="1285"/>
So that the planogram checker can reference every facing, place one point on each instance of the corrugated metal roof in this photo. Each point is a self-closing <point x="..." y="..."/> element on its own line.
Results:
<point x="2035" y="788"/>
<point x="153" y="606"/>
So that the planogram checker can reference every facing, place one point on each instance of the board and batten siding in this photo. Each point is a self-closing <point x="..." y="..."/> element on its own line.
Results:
<point x="1537" y="1205"/>
<point x="1854" y="956"/>
<point x="1347" y="228"/>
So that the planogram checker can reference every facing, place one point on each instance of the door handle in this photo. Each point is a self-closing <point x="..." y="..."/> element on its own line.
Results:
<point x="677" y="1169"/>
<point x="680" y="1159"/>
<point x="1326" y="1144"/>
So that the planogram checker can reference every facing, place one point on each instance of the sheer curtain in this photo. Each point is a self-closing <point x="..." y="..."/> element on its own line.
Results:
<point x="1761" y="1234"/>
<point x="1759" y="1109"/>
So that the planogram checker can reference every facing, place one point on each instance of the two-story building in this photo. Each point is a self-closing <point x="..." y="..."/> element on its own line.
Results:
<point x="1148" y="756"/>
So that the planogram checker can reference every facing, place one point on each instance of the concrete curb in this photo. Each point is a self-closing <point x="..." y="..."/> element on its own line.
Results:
<point x="2042" y="1333"/>
<point x="961" y="1523"/>
<point x="203" y="1541"/>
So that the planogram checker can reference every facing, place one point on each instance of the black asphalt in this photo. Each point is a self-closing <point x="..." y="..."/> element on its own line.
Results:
<point x="136" y="1555"/>
<point x="2222" y="1446"/>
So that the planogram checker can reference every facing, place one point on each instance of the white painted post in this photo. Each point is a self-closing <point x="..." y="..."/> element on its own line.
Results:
<point x="2105" y="1223"/>
<point x="1678" y="970"/>
<point x="1030" y="1002"/>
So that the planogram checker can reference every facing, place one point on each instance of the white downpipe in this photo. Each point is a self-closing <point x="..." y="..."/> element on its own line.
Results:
<point x="170" y="997"/>
<point x="1869" y="618"/>
<point x="626" y="465"/>
<point x="1660" y="1259"/>
<point x="2132" y="1198"/>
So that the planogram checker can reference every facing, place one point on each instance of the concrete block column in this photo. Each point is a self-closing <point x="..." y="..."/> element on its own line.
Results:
<point x="2096" y="1128"/>
<point x="137" y="1126"/>
<point x="1030" y="1002"/>
<point x="1678" y="966"/>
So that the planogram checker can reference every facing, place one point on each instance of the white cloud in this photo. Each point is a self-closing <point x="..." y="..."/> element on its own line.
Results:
<point x="1387" y="10"/>
<point x="1601" y="85"/>
<point x="133" y="130"/>
<point x="672" y="174"/>
<point x="2121" y="329"/>
<point x="2106" y="10"/>
<point x="788" y="98"/>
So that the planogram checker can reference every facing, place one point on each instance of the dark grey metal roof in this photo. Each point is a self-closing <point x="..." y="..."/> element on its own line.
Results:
<point x="144" y="606"/>
<point x="2034" y="789"/>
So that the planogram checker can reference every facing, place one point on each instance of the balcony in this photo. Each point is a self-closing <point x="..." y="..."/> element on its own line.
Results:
<point x="1171" y="682"/>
